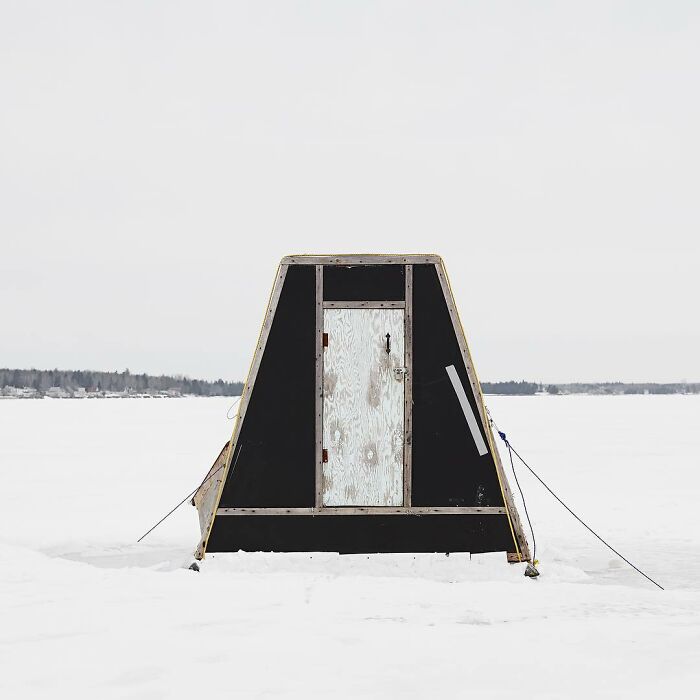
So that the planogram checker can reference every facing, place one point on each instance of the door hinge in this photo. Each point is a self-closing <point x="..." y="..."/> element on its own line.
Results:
<point x="325" y="340"/>
<point x="325" y="455"/>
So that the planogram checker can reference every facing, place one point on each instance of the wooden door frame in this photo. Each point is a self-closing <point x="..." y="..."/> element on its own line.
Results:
<point x="407" y="306"/>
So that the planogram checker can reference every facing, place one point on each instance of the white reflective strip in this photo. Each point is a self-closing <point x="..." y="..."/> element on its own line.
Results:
<point x="467" y="409"/>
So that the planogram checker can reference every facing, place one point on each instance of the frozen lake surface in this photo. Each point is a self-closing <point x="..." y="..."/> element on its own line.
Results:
<point x="88" y="613"/>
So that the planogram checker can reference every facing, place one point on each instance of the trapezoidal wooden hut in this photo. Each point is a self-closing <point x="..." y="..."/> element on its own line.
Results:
<point x="361" y="427"/>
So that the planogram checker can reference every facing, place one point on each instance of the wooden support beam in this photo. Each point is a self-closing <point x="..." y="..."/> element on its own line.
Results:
<point x="367" y="259"/>
<point x="369" y="510"/>
<point x="319" y="386"/>
<point x="363" y="304"/>
<point x="408" y="390"/>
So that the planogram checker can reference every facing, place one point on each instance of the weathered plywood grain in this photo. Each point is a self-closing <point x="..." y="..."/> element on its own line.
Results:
<point x="206" y="496"/>
<point x="363" y="407"/>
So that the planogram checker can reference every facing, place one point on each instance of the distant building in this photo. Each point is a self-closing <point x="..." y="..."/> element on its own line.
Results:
<point x="12" y="392"/>
<point x="56" y="392"/>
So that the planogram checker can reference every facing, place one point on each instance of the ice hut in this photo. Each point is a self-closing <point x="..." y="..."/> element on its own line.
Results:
<point x="362" y="426"/>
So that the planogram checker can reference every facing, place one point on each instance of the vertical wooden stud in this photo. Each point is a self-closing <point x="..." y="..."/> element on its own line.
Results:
<point x="408" y="389"/>
<point x="319" y="386"/>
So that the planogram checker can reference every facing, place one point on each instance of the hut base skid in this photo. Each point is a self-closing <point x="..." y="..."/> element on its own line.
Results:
<point x="361" y="427"/>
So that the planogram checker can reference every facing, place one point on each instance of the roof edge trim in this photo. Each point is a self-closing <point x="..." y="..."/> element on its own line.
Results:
<point x="363" y="259"/>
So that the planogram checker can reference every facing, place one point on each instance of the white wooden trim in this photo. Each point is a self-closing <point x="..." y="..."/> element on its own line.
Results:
<point x="467" y="410"/>
<point x="358" y="510"/>
<point x="363" y="304"/>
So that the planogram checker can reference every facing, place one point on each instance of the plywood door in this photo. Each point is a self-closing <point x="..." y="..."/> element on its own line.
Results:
<point x="363" y="407"/>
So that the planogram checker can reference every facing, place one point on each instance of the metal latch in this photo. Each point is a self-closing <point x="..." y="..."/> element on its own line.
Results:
<point x="400" y="372"/>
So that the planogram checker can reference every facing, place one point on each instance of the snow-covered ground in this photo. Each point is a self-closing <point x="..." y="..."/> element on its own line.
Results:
<point x="85" y="612"/>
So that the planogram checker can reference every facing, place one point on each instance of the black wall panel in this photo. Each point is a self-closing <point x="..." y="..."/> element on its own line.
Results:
<point x="364" y="283"/>
<point x="277" y="439"/>
<point x="355" y="534"/>
<point x="447" y="468"/>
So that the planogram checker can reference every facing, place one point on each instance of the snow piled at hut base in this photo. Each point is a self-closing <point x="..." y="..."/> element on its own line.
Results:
<point x="88" y="613"/>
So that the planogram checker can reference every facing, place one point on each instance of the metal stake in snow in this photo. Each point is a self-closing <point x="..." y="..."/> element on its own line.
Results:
<point x="189" y="495"/>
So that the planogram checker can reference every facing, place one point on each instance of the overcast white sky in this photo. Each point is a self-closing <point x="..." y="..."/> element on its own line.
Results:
<point x="158" y="158"/>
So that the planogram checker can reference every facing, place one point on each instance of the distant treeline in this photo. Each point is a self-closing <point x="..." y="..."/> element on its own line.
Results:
<point x="41" y="380"/>
<point x="628" y="388"/>
<point x="70" y="380"/>
<point x="510" y="388"/>
<point x="524" y="388"/>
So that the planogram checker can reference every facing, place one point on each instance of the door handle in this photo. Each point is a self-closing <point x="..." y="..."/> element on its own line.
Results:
<point x="388" y="343"/>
